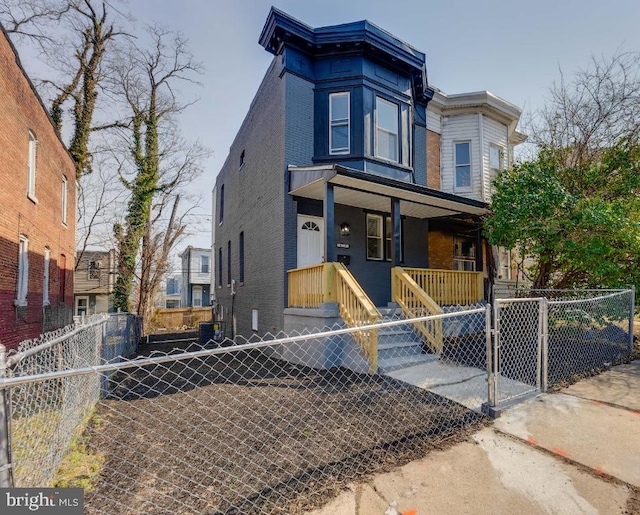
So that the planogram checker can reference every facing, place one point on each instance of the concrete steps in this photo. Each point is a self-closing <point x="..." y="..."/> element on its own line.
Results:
<point x="399" y="346"/>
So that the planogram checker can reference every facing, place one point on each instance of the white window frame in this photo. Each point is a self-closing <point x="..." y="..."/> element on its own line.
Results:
<point x="65" y="200"/>
<point x="77" y="305"/>
<point x="196" y="300"/>
<point x="340" y="122"/>
<point x="93" y="270"/>
<point x="204" y="267"/>
<point x="378" y="129"/>
<point x="23" y="272"/>
<point x="456" y="165"/>
<point x="460" y="261"/>
<point x="380" y="237"/>
<point x="32" y="167"/>
<point x="500" y="152"/>
<point x="45" y="279"/>
<point x="504" y="268"/>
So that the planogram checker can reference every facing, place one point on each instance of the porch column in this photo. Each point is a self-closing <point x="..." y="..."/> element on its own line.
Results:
<point x="328" y="207"/>
<point x="396" y="230"/>
<point x="479" y="251"/>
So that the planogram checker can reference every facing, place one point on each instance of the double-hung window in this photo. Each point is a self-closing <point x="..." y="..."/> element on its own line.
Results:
<point x="339" y="137"/>
<point x="386" y="143"/>
<point x="380" y="237"/>
<point x="31" y="167"/>
<point x="462" y="157"/>
<point x="495" y="158"/>
<point x="204" y="264"/>
<point x="23" y="271"/>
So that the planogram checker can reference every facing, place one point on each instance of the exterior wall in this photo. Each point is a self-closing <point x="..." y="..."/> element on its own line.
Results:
<point x="440" y="250"/>
<point x="433" y="160"/>
<point x="375" y="276"/>
<point x="254" y="200"/>
<point x="41" y="221"/>
<point x="464" y="127"/>
<point x="104" y="283"/>
<point x="192" y="275"/>
<point x="494" y="133"/>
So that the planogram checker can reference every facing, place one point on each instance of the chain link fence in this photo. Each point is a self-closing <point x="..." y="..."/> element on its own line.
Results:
<point x="275" y="425"/>
<point x="280" y="424"/>
<point x="43" y="418"/>
<point x="541" y="343"/>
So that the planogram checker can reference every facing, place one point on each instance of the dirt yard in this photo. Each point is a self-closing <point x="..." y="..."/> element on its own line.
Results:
<point x="247" y="434"/>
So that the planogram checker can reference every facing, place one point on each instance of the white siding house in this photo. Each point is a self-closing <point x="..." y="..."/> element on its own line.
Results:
<point x="196" y="277"/>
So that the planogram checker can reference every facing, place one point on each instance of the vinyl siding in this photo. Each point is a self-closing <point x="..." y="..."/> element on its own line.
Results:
<point x="495" y="133"/>
<point x="456" y="129"/>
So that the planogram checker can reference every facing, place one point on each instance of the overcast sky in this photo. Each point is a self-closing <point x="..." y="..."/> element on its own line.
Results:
<point x="513" y="49"/>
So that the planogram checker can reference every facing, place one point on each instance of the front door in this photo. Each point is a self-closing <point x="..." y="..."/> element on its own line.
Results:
<point x="310" y="240"/>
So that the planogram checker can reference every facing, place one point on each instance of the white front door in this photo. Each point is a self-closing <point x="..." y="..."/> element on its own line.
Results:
<point x="310" y="240"/>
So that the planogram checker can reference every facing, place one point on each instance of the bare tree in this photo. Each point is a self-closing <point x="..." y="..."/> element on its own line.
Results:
<point x="161" y="160"/>
<point x="32" y="18"/>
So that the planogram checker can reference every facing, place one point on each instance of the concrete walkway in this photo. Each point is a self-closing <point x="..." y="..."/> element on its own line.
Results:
<point x="574" y="452"/>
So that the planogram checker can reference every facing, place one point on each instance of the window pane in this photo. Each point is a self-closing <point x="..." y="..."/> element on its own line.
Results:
<point x="387" y="115"/>
<point x="339" y="107"/>
<point x="463" y="176"/>
<point x="374" y="248"/>
<point x="462" y="154"/>
<point x="340" y="137"/>
<point x="387" y="145"/>
<point x="374" y="224"/>
<point x="494" y="158"/>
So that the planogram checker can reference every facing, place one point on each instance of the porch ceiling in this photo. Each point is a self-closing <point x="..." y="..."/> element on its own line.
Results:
<point x="372" y="192"/>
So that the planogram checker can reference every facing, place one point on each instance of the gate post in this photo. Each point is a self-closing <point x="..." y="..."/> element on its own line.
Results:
<point x="491" y="398"/>
<point x="5" y="413"/>
<point x="632" y="309"/>
<point x="544" y="372"/>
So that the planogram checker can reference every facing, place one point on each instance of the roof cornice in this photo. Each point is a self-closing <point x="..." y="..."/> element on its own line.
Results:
<point x="281" y="30"/>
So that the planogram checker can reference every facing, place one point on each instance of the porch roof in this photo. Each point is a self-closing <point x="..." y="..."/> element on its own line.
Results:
<point x="372" y="192"/>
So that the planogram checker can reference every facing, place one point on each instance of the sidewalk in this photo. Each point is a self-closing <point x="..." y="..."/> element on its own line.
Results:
<point x="574" y="452"/>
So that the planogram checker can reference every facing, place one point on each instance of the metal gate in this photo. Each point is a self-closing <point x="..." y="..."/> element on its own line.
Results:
<point x="518" y="359"/>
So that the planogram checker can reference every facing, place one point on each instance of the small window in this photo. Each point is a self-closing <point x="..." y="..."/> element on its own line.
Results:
<point x="339" y="137"/>
<point x="241" y="257"/>
<point x="386" y="130"/>
<point x="45" y="279"/>
<point x="241" y="159"/>
<point x="64" y="196"/>
<point x="229" y="263"/>
<point x="197" y="296"/>
<point x="31" y="167"/>
<point x="173" y="286"/>
<point x="23" y="271"/>
<point x="220" y="267"/>
<point x="221" y="214"/>
<point x="504" y="268"/>
<point x="375" y="233"/>
<point x="94" y="270"/>
<point x="204" y="264"/>
<point x="495" y="158"/>
<point x="463" y="165"/>
<point x="464" y="254"/>
<point x="254" y="319"/>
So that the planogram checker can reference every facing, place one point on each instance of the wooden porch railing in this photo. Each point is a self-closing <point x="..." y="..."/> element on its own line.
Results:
<point x="415" y="302"/>
<point x="449" y="287"/>
<point x="332" y="282"/>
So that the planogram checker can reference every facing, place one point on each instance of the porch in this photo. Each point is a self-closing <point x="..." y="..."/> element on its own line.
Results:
<point x="416" y="292"/>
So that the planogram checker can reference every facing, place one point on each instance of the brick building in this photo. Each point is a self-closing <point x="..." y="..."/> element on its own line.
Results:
<point x="37" y="210"/>
<point x="347" y="155"/>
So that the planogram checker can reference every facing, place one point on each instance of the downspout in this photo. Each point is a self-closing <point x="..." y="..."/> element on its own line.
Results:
<point x="483" y="188"/>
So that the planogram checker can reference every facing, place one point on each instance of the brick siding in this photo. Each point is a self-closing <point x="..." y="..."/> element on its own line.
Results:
<point x="41" y="221"/>
<point x="433" y="160"/>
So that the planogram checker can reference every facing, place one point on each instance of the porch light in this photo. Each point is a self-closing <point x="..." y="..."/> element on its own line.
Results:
<point x="345" y="229"/>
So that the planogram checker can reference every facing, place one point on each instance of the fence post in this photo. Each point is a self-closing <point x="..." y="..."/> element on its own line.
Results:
<point x="491" y="399"/>
<point x="632" y="315"/>
<point x="545" y="344"/>
<point x="5" y="414"/>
